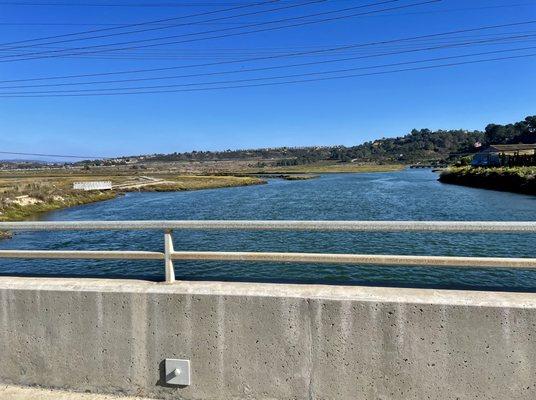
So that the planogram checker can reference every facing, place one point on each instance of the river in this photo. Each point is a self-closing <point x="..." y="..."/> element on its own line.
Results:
<point x="404" y="195"/>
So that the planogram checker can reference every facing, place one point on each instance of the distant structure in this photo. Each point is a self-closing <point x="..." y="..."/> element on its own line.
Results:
<point x="506" y="155"/>
<point x="97" y="185"/>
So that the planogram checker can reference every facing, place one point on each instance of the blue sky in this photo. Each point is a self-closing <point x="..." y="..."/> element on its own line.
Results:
<point x="345" y="111"/>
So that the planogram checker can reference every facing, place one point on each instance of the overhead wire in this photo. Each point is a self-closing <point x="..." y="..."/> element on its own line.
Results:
<point x="247" y="70"/>
<point x="143" y="23"/>
<point x="47" y="55"/>
<point x="193" y="23"/>
<point x="447" y="10"/>
<point x="183" y="54"/>
<point x="19" y="95"/>
<point x="277" y="56"/>
<point x="49" y="155"/>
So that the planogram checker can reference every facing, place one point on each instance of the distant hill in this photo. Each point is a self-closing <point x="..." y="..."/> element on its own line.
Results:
<point x="417" y="146"/>
<point x="22" y="164"/>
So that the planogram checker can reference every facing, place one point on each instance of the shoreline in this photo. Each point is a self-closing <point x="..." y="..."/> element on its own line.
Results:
<point x="62" y="197"/>
<point x="520" y="180"/>
<point x="21" y="212"/>
<point x="17" y="210"/>
<point x="341" y="168"/>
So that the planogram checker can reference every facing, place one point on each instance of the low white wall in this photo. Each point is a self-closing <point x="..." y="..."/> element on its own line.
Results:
<point x="260" y="341"/>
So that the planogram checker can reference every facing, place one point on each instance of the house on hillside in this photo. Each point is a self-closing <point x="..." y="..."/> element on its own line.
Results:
<point x="506" y="155"/>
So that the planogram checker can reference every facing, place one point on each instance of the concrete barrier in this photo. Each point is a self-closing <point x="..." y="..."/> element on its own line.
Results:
<point x="263" y="341"/>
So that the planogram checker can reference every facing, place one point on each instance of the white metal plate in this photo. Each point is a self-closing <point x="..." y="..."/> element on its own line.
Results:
<point x="177" y="372"/>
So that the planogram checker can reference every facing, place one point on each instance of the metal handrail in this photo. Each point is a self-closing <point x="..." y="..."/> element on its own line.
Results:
<point x="344" y="226"/>
<point x="169" y="254"/>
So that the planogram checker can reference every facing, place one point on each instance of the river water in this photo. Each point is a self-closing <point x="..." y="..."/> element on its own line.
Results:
<point x="404" y="195"/>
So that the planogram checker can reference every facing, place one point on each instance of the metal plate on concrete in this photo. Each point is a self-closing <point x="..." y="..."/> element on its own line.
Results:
<point x="177" y="372"/>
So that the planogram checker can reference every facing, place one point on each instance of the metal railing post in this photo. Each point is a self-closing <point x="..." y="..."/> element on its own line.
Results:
<point x="170" y="255"/>
<point x="168" y="250"/>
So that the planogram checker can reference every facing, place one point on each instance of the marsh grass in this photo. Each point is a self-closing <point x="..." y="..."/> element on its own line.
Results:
<point x="326" y="168"/>
<point x="51" y="193"/>
<point x="512" y="179"/>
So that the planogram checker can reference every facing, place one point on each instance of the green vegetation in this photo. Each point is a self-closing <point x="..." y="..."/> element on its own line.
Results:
<point x="419" y="146"/>
<point x="519" y="132"/>
<point x="38" y="188"/>
<point x="195" y="182"/>
<point x="12" y="211"/>
<point x="515" y="179"/>
<point x="299" y="177"/>
<point x="24" y="197"/>
<point x="330" y="167"/>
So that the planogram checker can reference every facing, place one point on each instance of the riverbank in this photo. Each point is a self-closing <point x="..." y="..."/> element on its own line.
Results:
<point x="23" y="198"/>
<point x="21" y="207"/>
<point x="516" y="179"/>
<point x="328" y="168"/>
<point x="193" y="182"/>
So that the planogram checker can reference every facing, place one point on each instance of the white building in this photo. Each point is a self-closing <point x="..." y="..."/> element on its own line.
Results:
<point x="96" y="185"/>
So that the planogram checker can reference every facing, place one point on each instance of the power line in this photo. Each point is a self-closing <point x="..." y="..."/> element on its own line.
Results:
<point x="445" y="46"/>
<point x="273" y="77"/>
<point x="50" y="155"/>
<point x="370" y="52"/>
<point x="234" y="23"/>
<point x="231" y="49"/>
<point x="141" y="23"/>
<point x="243" y="52"/>
<point x="54" y="94"/>
<point x="212" y="37"/>
<point x="293" y="54"/>
<point x="150" y="5"/>
<point x="197" y="33"/>
<point x="173" y="26"/>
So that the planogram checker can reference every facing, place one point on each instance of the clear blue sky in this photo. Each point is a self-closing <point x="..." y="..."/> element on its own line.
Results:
<point x="346" y="111"/>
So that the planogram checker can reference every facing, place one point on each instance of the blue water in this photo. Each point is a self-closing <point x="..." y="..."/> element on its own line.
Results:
<point x="405" y="195"/>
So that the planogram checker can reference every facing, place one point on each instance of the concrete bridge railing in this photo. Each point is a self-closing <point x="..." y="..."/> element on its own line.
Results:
<point x="248" y="341"/>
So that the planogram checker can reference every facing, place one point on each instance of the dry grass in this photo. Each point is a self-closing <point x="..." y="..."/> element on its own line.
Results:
<point x="46" y="193"/>
<point x="195" y="182"/>
<point x="50" y="189"/>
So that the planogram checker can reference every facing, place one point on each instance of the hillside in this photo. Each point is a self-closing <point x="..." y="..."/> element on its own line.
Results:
<point x="421" y="145"/>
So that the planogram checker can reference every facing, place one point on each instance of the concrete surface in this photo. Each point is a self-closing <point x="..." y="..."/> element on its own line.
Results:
<point x="263" y="341"/>
<point x="9" y="392"/>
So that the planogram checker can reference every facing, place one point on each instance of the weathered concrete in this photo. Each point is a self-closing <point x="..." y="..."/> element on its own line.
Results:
<point x="258" y="341"/>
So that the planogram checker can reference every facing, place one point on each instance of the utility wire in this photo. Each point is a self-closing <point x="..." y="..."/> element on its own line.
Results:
<point x="233" y="53"/>
<point x="299" y="75"/>
<point x="372" y="52"/>
<point x="445" y="46"/>
<point x="107" y="4"/>
<point x="143" y="23"/>
<point x="49" y="155"/>
<point x="198" y="33"/>
<point x="227" y="23"/>
<point x="174" y="26"/>
<point x="211" y="51"/>
<point x="293" y="54"/>
<point x="273" y="83"/>
<point x="211" y="37"/>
